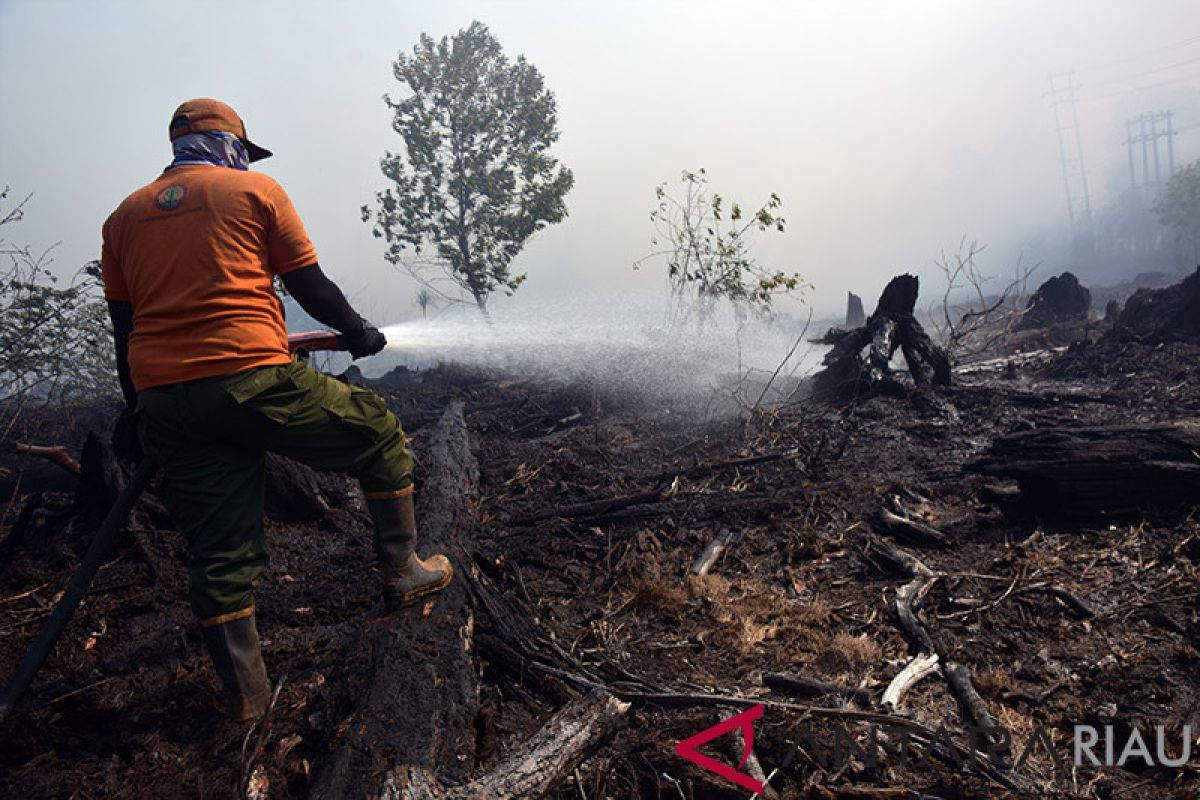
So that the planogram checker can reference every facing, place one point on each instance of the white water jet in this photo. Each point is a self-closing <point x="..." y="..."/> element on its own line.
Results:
<point x="627" y="347"/>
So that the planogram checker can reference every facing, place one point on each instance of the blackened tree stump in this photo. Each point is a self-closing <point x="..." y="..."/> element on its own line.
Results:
<point x="1158" y="315"/>
<point x="855" y="316"/>
<point x="1060" y="299"/>
<point x="847" y="375"/>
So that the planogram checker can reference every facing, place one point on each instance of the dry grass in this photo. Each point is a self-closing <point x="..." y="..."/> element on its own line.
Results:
<point x="845" y="653"/>
<point x="992" y="682"/>
<point x="748" y="612"/>
<point x="815" y="613"/>
<point x="657" y="594"/>
<point x="747" y="634"/>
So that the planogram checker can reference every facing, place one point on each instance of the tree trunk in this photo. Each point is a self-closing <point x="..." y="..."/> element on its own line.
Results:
<point x="420" y="694"/>
<point x="534" y="767"/>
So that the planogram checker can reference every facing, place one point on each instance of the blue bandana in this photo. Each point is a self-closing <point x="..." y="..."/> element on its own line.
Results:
<point x="210" y="147"/>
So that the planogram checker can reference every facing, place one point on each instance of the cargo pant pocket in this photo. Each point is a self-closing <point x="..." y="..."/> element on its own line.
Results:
<point x="277" y="393"/>
<point x="385" y="464"/>
<point x="360" y="409"/>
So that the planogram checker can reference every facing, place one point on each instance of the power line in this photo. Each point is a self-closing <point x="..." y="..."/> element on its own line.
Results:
<point x="1132" y="89"/>
<point x="1143" y="54"/>
<point x="1148" y="72"/>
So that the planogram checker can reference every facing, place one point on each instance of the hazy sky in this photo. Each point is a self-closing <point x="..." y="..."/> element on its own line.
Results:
<point x="890" y="130"/>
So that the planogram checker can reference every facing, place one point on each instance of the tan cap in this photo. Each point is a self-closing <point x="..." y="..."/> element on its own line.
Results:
<point x="206" y="114"/>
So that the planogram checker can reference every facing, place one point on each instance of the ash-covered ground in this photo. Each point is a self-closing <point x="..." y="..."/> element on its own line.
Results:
<point x="1058" y="622"/>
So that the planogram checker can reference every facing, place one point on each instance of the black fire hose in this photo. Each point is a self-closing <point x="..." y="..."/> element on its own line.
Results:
<point x="103" y="543"/>
<point x="96" y="553"/>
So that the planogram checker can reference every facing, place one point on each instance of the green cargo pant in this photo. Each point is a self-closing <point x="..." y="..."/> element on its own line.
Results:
<point x="209" y="439"/>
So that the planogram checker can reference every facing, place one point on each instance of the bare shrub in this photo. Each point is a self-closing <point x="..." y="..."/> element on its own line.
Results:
<point x="971" y="326"/>
<point x="55" y="340"/>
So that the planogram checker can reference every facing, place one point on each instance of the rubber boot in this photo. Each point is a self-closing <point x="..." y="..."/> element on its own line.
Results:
<point x="406" y="578"/>
<point x="237" y="659"/>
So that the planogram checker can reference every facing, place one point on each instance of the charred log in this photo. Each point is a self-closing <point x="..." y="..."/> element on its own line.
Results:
<point x="534" y="767"/>
<point x="1100" y="471"/>
<point x="420" y="693"/>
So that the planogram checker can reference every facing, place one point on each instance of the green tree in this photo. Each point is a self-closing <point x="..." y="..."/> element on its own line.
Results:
<point x="1179" y="208"/>
<point x="476" y="179"/>
<point x="706" y="245"/>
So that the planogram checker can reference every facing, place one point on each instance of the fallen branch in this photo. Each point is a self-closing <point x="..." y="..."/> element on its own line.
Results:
<point x="56" y="455"/>
<point x="610" y="507"/>
<point x="700" y="470"/>
<point x="906" y="562"/>
<point x="804" y="686"/>
<point x="596" y="507"/>
<point x="908" y="597"/>
<point x="263" y="726"/>
<point x="575" y="416"/>
<point x="735" y="747"/>
<point x="712" y="552"/>
<point x="958" y="677"/>
<point x="909" y="530"/>
<point x="971" y="705"/>
<point x="916" y="671"/>
<point x="1071" y="600"/>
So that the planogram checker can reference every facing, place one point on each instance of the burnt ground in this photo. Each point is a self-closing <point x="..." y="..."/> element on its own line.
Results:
<point x="126" y="706"/>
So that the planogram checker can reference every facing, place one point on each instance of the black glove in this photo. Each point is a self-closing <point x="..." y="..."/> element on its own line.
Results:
<point x="367" y="343"/>
<point x="125" y="442"/>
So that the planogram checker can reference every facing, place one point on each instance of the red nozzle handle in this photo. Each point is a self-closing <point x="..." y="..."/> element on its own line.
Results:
<point x="316" y="340"/>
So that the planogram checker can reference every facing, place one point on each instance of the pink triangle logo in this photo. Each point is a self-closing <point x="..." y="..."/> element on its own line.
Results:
<point x="689" y="748"/>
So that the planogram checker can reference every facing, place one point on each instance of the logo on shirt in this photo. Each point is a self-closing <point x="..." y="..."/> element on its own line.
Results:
<point x="170" y="197"/>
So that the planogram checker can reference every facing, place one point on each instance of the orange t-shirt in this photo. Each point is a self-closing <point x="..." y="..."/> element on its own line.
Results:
<point x="194" y="253"/>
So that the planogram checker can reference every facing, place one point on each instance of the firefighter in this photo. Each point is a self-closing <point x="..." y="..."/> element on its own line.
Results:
<point x="201" y="344"/>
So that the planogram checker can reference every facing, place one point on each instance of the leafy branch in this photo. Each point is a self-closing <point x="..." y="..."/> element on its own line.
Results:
<point x="706" y="245"/>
